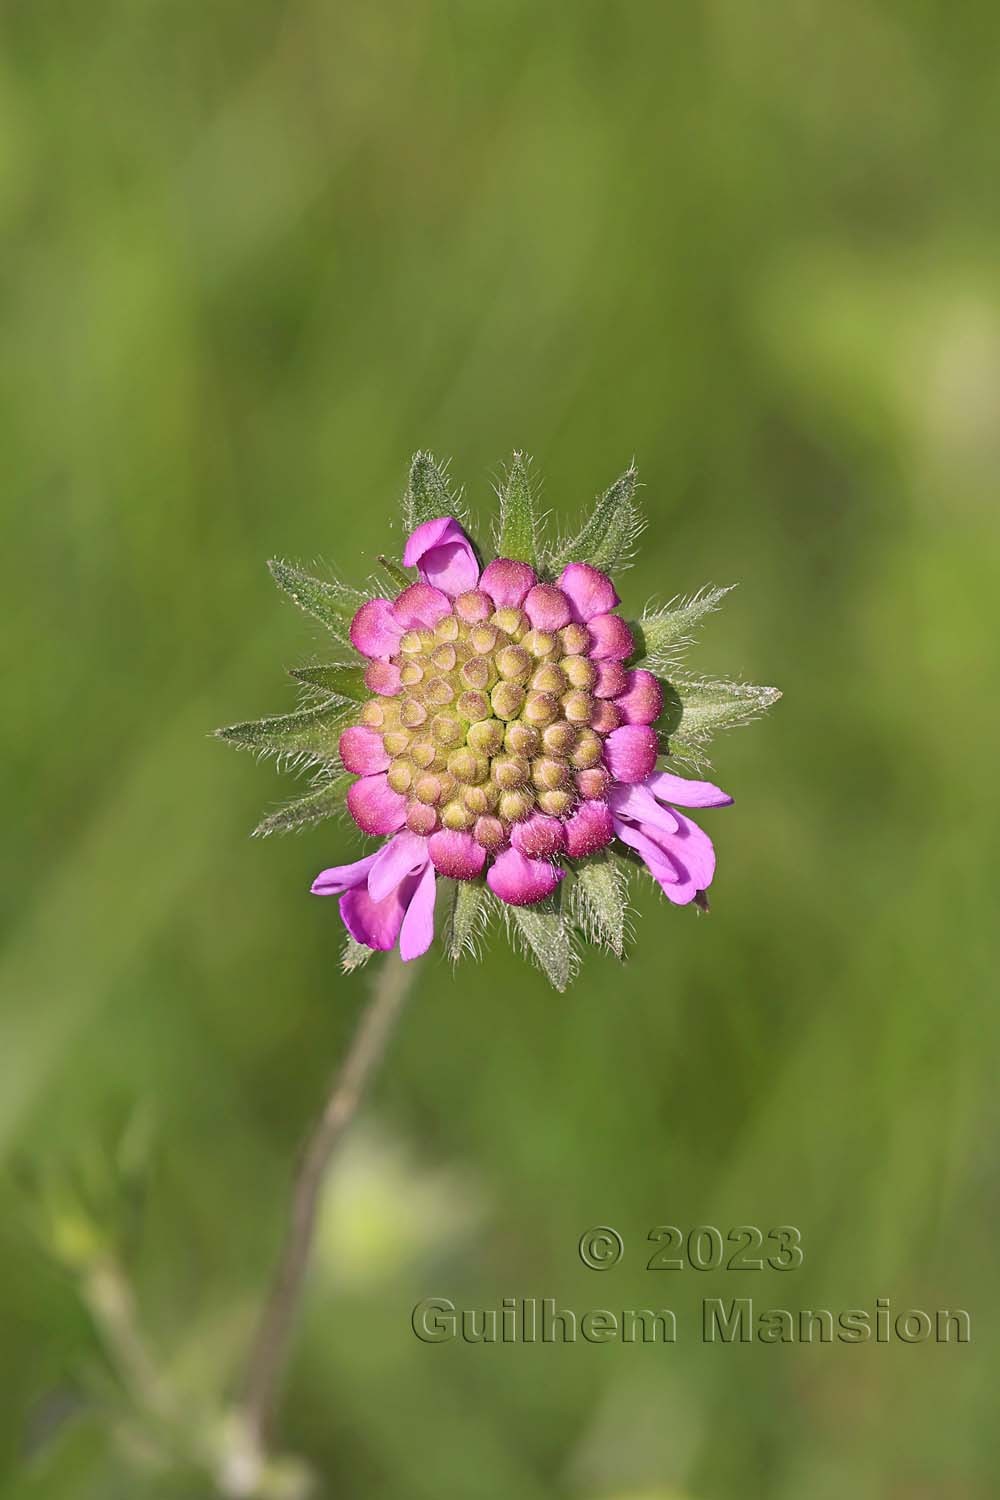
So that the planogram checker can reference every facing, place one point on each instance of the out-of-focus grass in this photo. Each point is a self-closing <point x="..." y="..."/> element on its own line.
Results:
<point x="253" y="257"/>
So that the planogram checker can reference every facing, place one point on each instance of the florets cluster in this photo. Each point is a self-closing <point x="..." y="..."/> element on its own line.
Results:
<point x="506" y="730"/>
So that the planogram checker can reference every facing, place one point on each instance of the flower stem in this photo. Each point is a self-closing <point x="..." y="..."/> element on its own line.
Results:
<point x="272" y="1344"/>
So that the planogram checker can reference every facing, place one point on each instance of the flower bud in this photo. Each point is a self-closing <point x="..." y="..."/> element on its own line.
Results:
<point x="396" y="741"/>
<point x="574" y="639"/>
<point x="477" y="673"/>
<point x="456" y="815"/>
<point x="540" y="643"/>
<point x="444" y="658"/>
<point x="559" y="738"/>
<point x="438" y="693"/>
<point x="606" y="716"/>
<point x="539" y="837"/>
<point x="487" y="736"/>
<point x="515" y="805"/>
<point x="411" y="672"/>
<point x="447" y="629"/>
<point x="541" y="709"/>
<point x="382" y="677"/>
<point x="423" y="752"/>
<point x="473" y="607"/>
<point x="579" y="672"/>
<point x="588" y="751"/>
<point x="479" y="799"/>
<point x="513" y="663"/>
<point x="400" y="775"/>
<point x="548" y="678"/>
<point x="483" y="639"/>
<point x="612" y="679"/>
<point x="509" y="772"/>
<point x="467" y="766"/>
<point x="522" y="739"/>
<point x="447" y="731"/>
<point x="547" y="607"/>
<point x="412" y="714"/>
<point x="577" y="706"/>
<point x="473" y="707"/>
<point x="593" y="784"/>
<point x="427" y="788"/>
<point x="490" y="833"/>
<point x="511" y="621"/>
<point x="507" y="700"/>
<point x="373" y="714"/>
<point x="420" y="818"/>
<point x="556" y="804"/>
<point x="549" y="774"/>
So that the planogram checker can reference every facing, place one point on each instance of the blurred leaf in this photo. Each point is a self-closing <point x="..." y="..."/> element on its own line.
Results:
<point x="599" y="901"/>
<point x="325" y="801"/>
<point x="333" y="604"/>
<point x="465" y="919"/>
<point x="710" y="705"/>
<point x="608" y="537"/>
<point x="312" y="732"/>
<point x="661" y="634"/>
<point x="400" y="578"/>
<point x="544" y="934"/>
<point x="428" y="495"/>
<point x="517" y="533"/>
<point x="346" y="682"/>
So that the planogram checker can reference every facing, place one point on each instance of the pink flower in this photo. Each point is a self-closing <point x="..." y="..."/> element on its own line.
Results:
<point x="386" y="896"/>
<point x="677" y="853"/>
<point x="444" y="556"/>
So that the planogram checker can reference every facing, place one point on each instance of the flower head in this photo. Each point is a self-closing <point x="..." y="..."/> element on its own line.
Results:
<point x="501" y="728"/>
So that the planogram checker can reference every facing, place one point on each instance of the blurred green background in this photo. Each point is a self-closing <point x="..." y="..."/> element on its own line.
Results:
<point x="254" y="256"/>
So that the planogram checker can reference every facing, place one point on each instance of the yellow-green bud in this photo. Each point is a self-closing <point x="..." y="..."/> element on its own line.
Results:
<point x="400" y="775"/>
<point x="559" y="738"/>
<point x="487" y="736"/>
<point x="541" y="709"/>
<point x="577" y="706"/>
<point x="522" y="739"/>
<point x="556" y="804"/>
<point x="579" y="671"/>
<point x="474" y="706"/>
<point x="467" y="766"/>
<point x="588" y="750"/>
<point x="457" y="817"/>
<point x="514" y="806"/>
<point x="509" y="772"/>
<point x="548" y="678"/>
<point x="507" y="699"/>
<point x="513" y="664"/>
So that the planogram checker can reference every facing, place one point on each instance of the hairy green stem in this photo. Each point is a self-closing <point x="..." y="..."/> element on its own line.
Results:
<point x="271" y="1347"/>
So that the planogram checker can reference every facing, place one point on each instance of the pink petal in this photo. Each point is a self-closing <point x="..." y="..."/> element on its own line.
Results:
<point x="605" y="716"/>
<point x="642" y="702"/>
<point x="374" y="806"/>
<point x="417" y="932"/>
<point x="444" y="555"/>
<point x="589" y="829"/>
<point x="421" y="606"/>
<point x="404" y="855"/>
<point x="611" y="637"/>
<point x="673" y="880"/>
<point x="362" y="752"/>
<point x="590" y="591"/>
<point x="612" y="679"/>
<point x="375" y="631"/>
<point x="693" y="848"/>
<point x="374" y="923"/>
<point x="474" y="607"/>
<point x="520" y="881"/>
<point x="456" y="855"/>
<point x="631" y="752"/>
<point x="382" y="677"/>
<point x="667" y="788"/>
<point x="507" y="582"/>
<point x="539" y="837"/>
<point x="547" y="607"/>
<point x="639" y="805"/>
<point x="340" y="878"/>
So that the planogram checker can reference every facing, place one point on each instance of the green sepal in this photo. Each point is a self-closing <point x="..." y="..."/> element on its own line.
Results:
<point x="332" y="604"/>
<point x="312" y="732"/>
<point x="354" y="955"/>
<point x="346" y="682"/>
<point x="608" y="536"/>
<point x="546" y="936"/>
<point x="401" y="579"/>
<point x="517" y="533"/>
<point x="709" y="705"/>
<point x="324" y="801"/>
<point x="465" y="918"/>
<point x="599" y="901"/>
<point x="663" y="633"/>
<point x="429" y="495"/>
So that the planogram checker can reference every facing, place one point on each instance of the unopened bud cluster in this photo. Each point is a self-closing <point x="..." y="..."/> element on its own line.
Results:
<point x="494" y="720"/>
